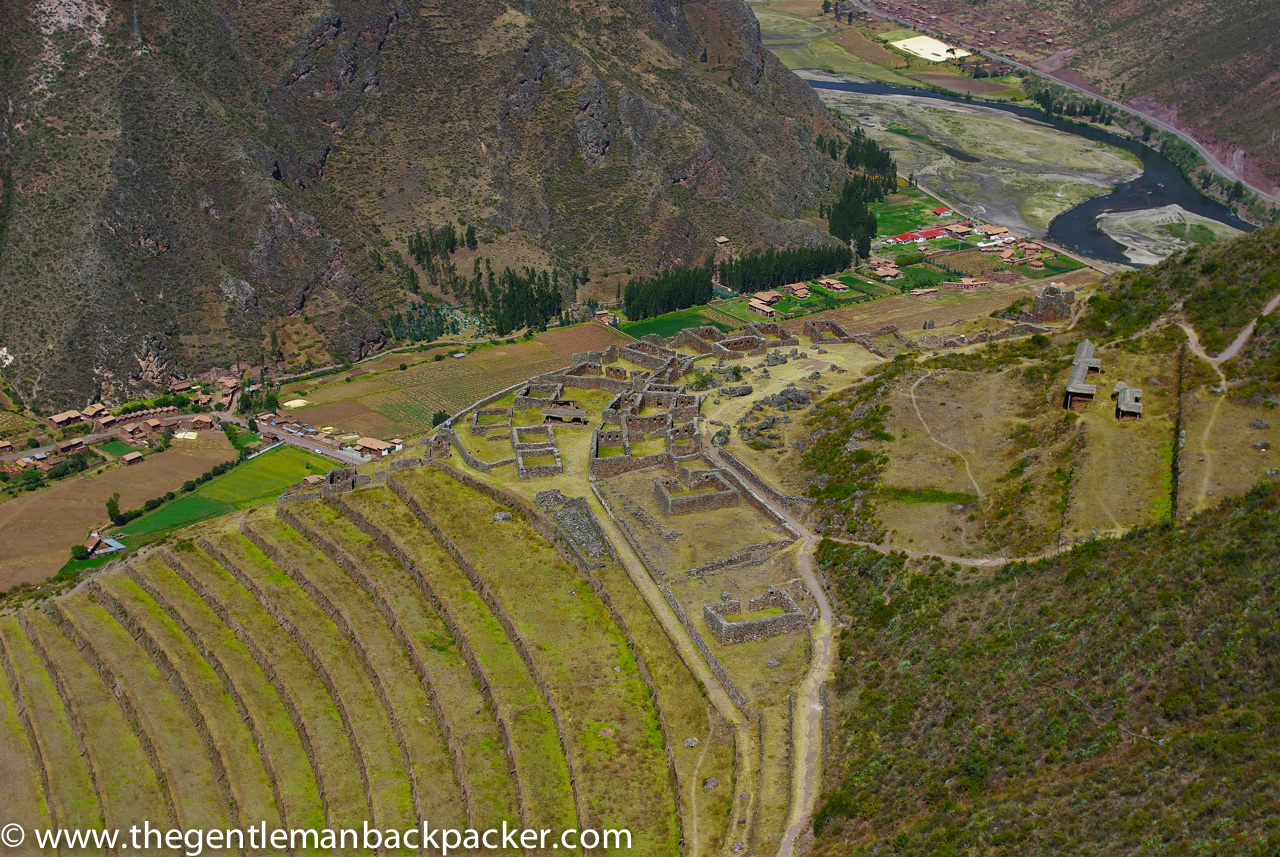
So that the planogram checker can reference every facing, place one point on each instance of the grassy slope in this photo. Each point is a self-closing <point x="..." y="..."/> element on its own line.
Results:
<point x="1223" y="287"/>
<point x="982" y="712"/>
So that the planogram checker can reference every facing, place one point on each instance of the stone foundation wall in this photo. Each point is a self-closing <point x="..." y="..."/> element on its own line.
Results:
<point x="535" y="471"/>
<point x="772" y="328"/>
<point x="498" y="427"/>
<point x="790" y="502"/>
<point x="651" y="423"/>
<point x="729" y="633"/>
<point x="664" y="488"/>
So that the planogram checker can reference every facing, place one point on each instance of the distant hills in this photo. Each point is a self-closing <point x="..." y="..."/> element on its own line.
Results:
<point x="194" y="185"/>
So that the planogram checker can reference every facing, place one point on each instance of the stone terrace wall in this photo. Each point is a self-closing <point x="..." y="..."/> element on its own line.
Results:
<point x="754" y="629"/>
<point x="790" y="502"/>
<point x="471" y="460"/>
<point x="717" y="668"/>
<point x="483" y="430"/>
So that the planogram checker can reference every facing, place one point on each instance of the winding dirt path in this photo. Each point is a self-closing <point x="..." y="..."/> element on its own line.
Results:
<point x="968" y="471"/>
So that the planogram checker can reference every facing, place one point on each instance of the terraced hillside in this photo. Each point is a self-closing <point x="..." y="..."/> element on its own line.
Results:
<point x="390" y="654"/>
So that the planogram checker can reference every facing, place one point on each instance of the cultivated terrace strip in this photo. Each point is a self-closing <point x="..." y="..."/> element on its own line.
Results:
<point x="194" y="781"/>
<point x="437" y="795"/>
<point x="384" y="769"/>
<point x="481" y="763"/>
<point x="24" y="780"/>
<point x="285" y="754"/>
<point x="127" y="786"/>
<point x="542" y="775"/>
<point x="313" y="711"/>
<point x="581" y="658"/>
<point x="71" y="793"/>
<point x="232" y="747"/>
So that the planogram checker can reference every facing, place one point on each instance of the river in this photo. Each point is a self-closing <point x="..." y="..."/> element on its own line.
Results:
<point x="1076" y="229"/>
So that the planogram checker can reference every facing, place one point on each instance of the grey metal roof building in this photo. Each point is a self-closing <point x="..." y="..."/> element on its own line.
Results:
<point x="1128" y="401"/>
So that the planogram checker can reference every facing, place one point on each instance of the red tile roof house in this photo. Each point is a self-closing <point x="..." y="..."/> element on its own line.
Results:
<point x="904" y="238"/>
<point x="930" y="234"/>
<point x="942" y="211"/>
<point x="371" y="446"/>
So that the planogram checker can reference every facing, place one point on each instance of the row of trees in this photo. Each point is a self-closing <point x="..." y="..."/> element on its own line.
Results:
<point x="667" y="292"/>
<point x="773" y="268"/>
<point x="515" y="299"/>
<point x="440" y="243"/>
<point x="421" y="322"/>
<point x="852" y="221"/>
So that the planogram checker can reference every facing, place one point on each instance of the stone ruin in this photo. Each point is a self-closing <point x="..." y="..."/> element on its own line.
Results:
<point x="1052" y="304"/>
<point x="727" y="632"/>
<point x="576" y="520"/>
<point x="715" y="492"/>
<point x="531" y="442"/>
<point x="501" y="427"/>
<point x="765" y="329"/>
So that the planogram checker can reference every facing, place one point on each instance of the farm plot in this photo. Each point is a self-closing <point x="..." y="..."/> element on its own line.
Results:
<point x="333" y="652"/>
<point x="481" y="762"/>
<point x="129" y="788"/>
<point x="674" y="322"/>
<point x="905" y="211"/>
<point x="38" y="529"/>
<point x="546" y="794"/>
<point x="591" y="336"/>
<point x="418" y="732"/>
<point x="10" y="421"/>
<point x="247" y="778"/>
<point x="331" y="747"/>
<point x="292" y="774"/>
<point x="188" y="772"/>
<point x="593" y="678"/>
<point x="910" y="314"/>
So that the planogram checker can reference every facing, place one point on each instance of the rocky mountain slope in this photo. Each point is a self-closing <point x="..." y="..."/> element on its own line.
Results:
<point x="196" y="184"/>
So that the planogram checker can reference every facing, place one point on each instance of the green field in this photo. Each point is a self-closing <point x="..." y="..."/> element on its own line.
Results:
<point x="247" y="484"/>
<point x="179" y="513"/>
<point x="921" y="277"/>
<point x="1053" y="266"/>
<point x="265" y="476"/>
<point x="116" y="448"/>
<point x="905" y="211"/>
<point x="672" y="323"/>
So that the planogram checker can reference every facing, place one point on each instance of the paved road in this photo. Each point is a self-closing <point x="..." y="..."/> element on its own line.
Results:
<point x="1164" y="126"/>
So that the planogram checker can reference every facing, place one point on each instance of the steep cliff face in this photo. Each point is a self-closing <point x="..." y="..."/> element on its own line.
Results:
<point x="195" y="183"/>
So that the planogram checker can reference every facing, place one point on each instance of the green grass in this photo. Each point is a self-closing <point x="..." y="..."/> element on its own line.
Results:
<point x="926" y="495"/>
<point x="905" y="211"/>
<point x="1057" y="264"/>
<point x="264" y="476"/>
<point x="919" y="276"/>
<point x="672" y="323"/>
<point x="1023" y="706"/>
<point x="116" y="448"/>
<point x="179" y="513"/>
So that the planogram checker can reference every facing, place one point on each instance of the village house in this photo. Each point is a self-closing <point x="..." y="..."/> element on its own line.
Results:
<point x="942" y="211"/>
<point x="130" y="431"/>
<point x="131" y="458"/>
<point x="5" y="447"/>
<point x="770" y="297"/>
<point x="930" y="234"/>
<point x="833" y="285"/>
<point x="967" y="284"/>
<point x="888" y="272"/>
<point x="153" y="425"/>
<point x="605" y="317"/>
<point x="66" y="418"/>
<point x="106" y="422"/>
<point x="759" y="307"/>
<point x="44" y="463"/>
<point x="373" y="447"/>
<point x="959" y="230"/>
<point x="904" y="238"/>
<point x="97" y="545"/>
<point x="313" y="479"/>
<point x="722" y="241"/>
<point x="1035" y="265"/>
<point x="1079" y="392"/>
<point x="93" y="410"/>
<point x="67" y="447"/>
<point x="919" y="293"/>
<point x="181" y="387"/>
<point x="797" y="290"/>
<point x="1128" y="401"/>
<point x="200" y="422"/>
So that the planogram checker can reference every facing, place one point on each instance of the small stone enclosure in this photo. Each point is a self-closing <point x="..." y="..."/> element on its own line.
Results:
<point x="790" y="619"/>
<point x="714" y="492"/>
